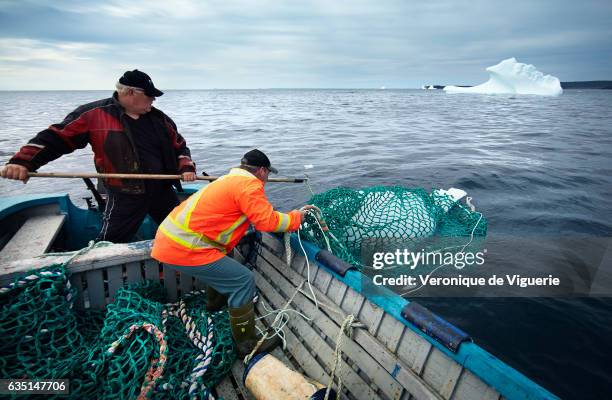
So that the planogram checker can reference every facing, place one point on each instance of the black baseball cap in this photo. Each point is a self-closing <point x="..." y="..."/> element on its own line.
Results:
<point x="256" y="158"/>
<point x="139" y="79"/>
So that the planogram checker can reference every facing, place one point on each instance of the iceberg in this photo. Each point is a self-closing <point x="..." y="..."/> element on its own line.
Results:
<point x="511" y="76"/>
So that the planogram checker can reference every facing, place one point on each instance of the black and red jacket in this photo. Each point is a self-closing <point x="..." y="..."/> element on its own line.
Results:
<point x="102" y="124"/>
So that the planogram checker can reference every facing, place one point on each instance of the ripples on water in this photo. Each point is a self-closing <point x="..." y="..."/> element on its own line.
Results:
<point x="539" y="168"/>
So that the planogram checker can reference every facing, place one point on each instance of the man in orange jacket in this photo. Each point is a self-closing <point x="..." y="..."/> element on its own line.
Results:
<point x="199" y="233"/>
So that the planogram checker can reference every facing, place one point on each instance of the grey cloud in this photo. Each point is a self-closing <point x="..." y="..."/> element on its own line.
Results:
<point x="321" y="43"/>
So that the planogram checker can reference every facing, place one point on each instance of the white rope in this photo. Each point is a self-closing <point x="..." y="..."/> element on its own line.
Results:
<point x="274" y="325"/>
<point x="74" y="254"/>
<point x="448" y="263"/>
<point x="288" y="251"/>
<point x="307" y="183"/>
<point x="318" y="216"/>
<point x="202" y="343"/>
<point x="314" y="297"/>
<point x="468" y="201"/>
<point x="336" y="368"/>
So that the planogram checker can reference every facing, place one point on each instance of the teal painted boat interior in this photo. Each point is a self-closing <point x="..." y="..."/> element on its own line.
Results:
<point x="82" y="224"/>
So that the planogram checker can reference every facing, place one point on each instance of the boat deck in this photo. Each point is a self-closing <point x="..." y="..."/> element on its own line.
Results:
<point x="385" y="358"/>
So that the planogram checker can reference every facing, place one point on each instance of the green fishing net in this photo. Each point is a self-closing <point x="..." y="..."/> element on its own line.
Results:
<point x="45" y="337"/>
<point x="383" y="218"/>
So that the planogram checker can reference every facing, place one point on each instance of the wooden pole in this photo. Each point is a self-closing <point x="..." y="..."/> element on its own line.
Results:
<point x="141" y="176"/>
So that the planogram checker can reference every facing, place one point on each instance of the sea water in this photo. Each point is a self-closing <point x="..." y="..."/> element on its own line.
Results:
<point x="539" y="168"/>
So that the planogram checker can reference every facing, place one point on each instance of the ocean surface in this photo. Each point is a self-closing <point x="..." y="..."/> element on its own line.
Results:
<point x="538" y="168"/>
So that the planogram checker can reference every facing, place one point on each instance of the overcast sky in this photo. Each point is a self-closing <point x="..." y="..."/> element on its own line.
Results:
<point x="197" y="44"/>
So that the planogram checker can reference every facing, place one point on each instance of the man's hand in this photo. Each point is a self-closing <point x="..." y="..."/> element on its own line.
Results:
<point x="188" y="176"/>
<point x="15" y="171"/>
<point x="304" y="209"/>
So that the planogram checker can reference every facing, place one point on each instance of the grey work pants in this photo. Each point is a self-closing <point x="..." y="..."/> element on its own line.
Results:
<point x="226" y="276"/>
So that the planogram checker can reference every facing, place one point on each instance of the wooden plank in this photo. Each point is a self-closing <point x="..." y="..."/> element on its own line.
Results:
<point x="299" y="263"/>
<point x="301" y="354"/>
<point x="354" y="383"/>
<point x="95" y="258"/>
<point x="296" y="279"/>
<point x="390" y="331"/>
<point x="115" y="281"/>
<point x="33" y="238"/>
<point x="151" y="268"/>
<point x="402" y="373"/>
<point x="277" y="352"/>
<point x="273" y="244"/>
<point x="371" y="315"/>
<point x="451" y="380"/>
<point x="170" y="283"/>
<point x="237" y="372"/>
<point x="274" y="259"/>
<point x="352" y="302"/>
<point x="439" y="370"/>
<point x="336" y="291"/>
<point x="411" y="382"/>
<point x="133" y="272"/>
<point x="95" y="289"/>
<point x="226" y="389"/>
<point x="322" y="280"/>
<point x="75" y="281"/>
<point x="470" y="387"/>
<point x="413" y="350"/>
<point x="330" y="328"/>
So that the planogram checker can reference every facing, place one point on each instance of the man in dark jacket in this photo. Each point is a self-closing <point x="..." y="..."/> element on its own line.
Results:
<point x="127" y="135"/>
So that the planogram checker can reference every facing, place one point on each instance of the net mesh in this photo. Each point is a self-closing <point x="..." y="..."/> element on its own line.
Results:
<point x="45" y="337"/>
<point x="385" y="217"/>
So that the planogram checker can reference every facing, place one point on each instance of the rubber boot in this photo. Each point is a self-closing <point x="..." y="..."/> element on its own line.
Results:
<point x="242" y="321"/>
<point x="215" y="301"/>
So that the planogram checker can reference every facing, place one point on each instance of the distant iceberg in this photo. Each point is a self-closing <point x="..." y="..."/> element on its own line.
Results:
<point x="510" y="76"/>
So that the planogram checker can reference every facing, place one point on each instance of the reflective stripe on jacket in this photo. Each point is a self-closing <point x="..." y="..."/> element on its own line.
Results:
<point x="210" y="223"/>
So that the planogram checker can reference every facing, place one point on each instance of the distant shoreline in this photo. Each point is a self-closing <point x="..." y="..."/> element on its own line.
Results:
<point x="564" y="85"/>
<point x="587" y="85"/>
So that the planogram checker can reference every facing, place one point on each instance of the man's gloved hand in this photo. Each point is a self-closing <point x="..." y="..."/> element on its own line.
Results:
<point x="303" y="211"/>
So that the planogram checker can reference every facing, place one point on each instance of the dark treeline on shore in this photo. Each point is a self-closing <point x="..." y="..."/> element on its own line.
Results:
<point x="587" y="85"/>
<point x="564" y="85"/>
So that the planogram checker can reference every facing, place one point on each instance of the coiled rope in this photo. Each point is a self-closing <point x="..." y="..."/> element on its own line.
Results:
<point x="203" y="343"/>
<point x="156" y="370"/>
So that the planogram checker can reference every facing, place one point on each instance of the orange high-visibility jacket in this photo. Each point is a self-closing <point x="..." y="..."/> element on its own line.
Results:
<point x="208" y="225"/>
